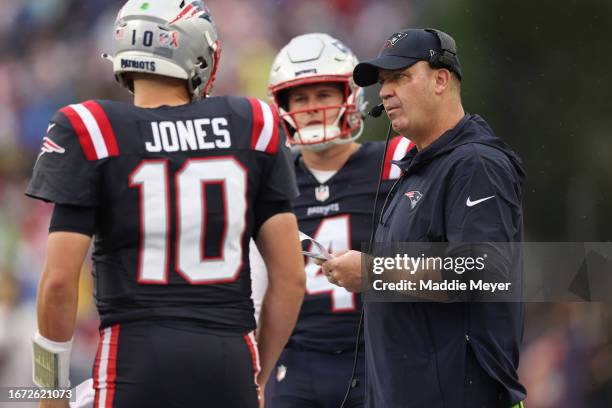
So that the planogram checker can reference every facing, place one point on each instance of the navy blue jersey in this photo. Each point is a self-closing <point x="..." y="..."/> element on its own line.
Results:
<point x="174" y="191"/>
<point x="338" y="214"/>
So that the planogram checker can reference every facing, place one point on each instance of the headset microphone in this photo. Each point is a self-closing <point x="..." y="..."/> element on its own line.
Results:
<point x="376" y="111"/>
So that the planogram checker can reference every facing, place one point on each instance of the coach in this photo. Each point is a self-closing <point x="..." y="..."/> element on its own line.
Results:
<point x="460" y="184"/>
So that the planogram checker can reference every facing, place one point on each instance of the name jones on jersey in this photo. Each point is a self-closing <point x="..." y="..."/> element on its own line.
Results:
<point x="196" y="134"/>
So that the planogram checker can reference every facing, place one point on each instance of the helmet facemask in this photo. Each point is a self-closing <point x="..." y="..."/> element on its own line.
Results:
<point x="345" y="127"/>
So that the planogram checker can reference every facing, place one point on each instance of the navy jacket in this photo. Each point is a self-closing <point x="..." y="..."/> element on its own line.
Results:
<point x="416" y="351"/>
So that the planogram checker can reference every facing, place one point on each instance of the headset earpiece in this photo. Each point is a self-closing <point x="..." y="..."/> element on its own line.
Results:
<point x="446" y="56"/>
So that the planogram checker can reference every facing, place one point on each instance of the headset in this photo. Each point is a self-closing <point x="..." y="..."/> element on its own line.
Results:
<point x="447" y="55"/>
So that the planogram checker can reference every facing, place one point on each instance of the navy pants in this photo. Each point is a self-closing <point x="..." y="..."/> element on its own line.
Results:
<point x="310" y="379"/>
<point x="172" y="365"/>
<point x="482" y="391"/>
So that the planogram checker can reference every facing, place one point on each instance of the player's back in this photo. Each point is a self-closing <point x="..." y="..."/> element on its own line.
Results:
<point x="174" y="190"/>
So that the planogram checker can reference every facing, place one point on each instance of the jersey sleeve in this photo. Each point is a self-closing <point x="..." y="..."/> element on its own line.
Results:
<point x="279" y="178"/>
<point x="397" y="149"/>
<point x="62" y="173"/>
<point x="72" y="218"/>
<point x="259" y="278"/>
<point x="268" y="137"/>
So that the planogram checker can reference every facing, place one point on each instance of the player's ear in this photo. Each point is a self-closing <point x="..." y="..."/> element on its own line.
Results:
<point x="442" y="78"/>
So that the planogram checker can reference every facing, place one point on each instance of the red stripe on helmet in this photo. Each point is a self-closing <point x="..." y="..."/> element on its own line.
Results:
<point x="213" y="72"/>
<point x="182" y="13"/>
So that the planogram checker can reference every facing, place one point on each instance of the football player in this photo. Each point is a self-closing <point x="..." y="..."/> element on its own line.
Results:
<point x="172" y="187"/>
<point x="322" y="111"/>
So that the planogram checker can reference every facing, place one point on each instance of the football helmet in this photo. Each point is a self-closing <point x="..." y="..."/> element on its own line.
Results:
<point x="174" y="38"/>
<point x="311" y="59"/>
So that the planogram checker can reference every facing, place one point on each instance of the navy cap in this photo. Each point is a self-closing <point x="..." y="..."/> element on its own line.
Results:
<point x="407" y="47"/>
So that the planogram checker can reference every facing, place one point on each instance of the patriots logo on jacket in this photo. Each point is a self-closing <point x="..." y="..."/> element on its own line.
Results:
<point x="414" y="197"/>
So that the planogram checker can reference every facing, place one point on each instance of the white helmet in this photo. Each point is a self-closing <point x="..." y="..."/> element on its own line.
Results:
<point x="174" y="38"/>
<point x="317" y="58"/>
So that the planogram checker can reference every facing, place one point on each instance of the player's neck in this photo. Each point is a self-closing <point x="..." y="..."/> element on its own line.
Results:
<point x="444" y="121"/>
<point x="156" y="91"/>
<point x="332" y="158"/>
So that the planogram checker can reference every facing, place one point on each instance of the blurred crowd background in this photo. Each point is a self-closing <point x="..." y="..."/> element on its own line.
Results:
<point x="537" y="71"/>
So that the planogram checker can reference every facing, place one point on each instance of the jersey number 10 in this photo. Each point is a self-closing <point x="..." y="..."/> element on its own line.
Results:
<point x="152" y="179"/>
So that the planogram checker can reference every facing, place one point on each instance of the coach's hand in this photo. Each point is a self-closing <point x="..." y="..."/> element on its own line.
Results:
<point x="345" y="270"/>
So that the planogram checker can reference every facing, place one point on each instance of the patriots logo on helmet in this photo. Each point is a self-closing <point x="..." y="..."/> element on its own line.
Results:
<point x="207" y="15"/>
<point x="204" y="11"/>
<point x="415" y="197"/>
<point x="195" y="9"/>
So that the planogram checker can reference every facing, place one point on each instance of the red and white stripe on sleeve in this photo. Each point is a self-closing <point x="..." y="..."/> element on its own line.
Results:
<point x="398" y="147"/>
<point x="93" y="129"/>
<point x="264" y="134"/>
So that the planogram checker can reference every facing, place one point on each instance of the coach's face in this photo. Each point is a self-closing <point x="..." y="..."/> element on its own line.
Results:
<point x="408" y="97"/>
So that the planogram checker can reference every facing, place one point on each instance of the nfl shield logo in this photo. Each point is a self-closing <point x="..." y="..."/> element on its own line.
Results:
<point x="169" y="39"/>
<point x="322" y="193"/>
